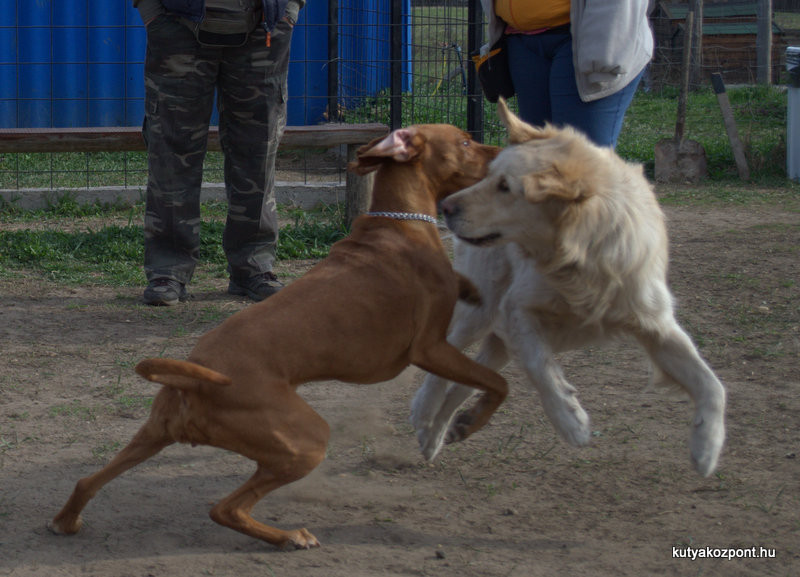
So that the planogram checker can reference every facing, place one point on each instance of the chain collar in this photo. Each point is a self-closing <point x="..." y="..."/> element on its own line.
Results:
<point x="405" y="216"/>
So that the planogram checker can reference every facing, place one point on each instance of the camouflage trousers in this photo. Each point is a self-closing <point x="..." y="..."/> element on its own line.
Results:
<point x="181" y="77"/>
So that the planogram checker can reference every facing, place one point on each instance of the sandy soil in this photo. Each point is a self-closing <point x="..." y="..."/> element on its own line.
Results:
<point x="513" y="501"/>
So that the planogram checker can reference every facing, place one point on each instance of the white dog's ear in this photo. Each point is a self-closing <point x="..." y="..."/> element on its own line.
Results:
<point x="518" y="130"/>
<point x="555" y="182"/>
<point x="401" y="145"/>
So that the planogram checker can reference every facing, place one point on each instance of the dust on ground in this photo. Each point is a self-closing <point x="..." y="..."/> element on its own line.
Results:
<point x="512" y="501"/>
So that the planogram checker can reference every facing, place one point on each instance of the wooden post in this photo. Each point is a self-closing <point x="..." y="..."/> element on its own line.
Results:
<point x="764" y="42"/>
<point x="696" y="30"/>
<point x="730" y="126"/>
<point x="359" y="189"/>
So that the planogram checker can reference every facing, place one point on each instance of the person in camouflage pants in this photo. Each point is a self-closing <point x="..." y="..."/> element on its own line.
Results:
<point x="182" y="73"/>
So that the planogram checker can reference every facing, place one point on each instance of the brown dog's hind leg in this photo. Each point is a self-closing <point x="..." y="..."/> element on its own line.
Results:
<point x="287" y="441"/>
<point x="234" y="510"/>
<point x="148" y="441"/>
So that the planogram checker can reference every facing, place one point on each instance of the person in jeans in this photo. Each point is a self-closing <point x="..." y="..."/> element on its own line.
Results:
<point x="240" y="49"/>
<point x="574" y="62"/>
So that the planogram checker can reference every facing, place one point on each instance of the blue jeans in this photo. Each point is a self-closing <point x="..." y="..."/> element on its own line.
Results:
<point x="544" y="79"/>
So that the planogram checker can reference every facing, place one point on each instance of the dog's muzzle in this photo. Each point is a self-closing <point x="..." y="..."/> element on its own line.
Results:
<point x="452" y="212"/>
<point x="482" y="240"/>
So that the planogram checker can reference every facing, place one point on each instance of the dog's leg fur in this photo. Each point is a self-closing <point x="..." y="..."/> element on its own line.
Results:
<point x="559" y="397"/>
<point x="675" y="355"/>
<point x="283" y="450"/>
<point x="467" y="291"/>
<point x="234" y="511"/>
<point x="437" y="400"/>
<point x="448" y="397"/>
<point x="149" y="441"/>
<point x="288" y="443"/>
<point x="427" y="415"/>
<point x="448" y="362"/>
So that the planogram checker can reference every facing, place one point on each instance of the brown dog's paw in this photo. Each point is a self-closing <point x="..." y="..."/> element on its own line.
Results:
<point x="300" y="539"/>
<point x="61" y="527"/>
<point x="460" y="429"/>
<point x="468" y="292"/>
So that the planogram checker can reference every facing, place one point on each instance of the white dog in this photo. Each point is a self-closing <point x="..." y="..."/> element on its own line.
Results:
<point x="567" y="245"/>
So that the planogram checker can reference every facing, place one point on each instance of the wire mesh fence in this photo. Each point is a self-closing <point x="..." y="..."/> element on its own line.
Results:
<point x="80" y="63"/>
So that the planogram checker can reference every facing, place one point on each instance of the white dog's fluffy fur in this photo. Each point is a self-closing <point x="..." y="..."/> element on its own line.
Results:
<point x="567" y="245"/>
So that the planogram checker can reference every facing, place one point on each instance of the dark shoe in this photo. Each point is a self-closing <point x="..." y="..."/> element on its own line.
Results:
<point x="257" y="287"/>
<point x="164" y="292"/>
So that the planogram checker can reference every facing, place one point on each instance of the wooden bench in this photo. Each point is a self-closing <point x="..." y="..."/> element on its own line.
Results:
<point x="122" y="139"/>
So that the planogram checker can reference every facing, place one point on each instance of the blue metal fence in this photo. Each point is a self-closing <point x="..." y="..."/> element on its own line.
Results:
<point x="72" y="63"/>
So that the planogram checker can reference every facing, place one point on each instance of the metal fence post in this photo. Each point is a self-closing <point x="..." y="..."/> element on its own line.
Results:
<point x="474" y="92"/>
<point x="333" y="60"/>
<point x="793" y="113"/>
<point x="396" y="66"/>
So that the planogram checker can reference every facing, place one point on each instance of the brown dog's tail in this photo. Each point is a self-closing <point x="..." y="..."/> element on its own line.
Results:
<point x="183" y="375"/>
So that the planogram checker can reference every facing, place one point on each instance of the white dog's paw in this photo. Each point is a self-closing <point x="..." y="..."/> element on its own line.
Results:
<point x="431" y="440"/>
<point x="427" y="402"/>
<point x="708" y="437"/>
<point x="419" y="419"/>
<point x="572" y="423"/>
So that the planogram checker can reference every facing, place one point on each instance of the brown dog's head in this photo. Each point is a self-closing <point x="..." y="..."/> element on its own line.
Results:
<point x="445" y="156"/>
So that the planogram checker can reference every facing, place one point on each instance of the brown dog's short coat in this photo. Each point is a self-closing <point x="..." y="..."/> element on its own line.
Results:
<point x="380" y="301"/>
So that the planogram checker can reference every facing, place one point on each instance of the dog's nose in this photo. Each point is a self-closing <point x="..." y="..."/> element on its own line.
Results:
<point x="449" y="208"/>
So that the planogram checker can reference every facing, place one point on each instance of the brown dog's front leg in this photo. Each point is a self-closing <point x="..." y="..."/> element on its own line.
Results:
<point x="446" y="361"/>
<point x="467" y="291"/>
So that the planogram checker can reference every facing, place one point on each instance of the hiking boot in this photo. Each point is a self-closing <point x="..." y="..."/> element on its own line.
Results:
<point x="164" y="292"/>
<point x="257" y="287"/>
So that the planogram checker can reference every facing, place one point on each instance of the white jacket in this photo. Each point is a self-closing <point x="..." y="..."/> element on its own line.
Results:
<point x="611" y="43"/>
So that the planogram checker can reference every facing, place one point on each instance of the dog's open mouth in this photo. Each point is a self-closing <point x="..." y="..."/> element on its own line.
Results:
<point x="481" y="240"/>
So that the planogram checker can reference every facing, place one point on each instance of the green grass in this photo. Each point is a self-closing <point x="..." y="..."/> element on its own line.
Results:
<point x="759" y="111"/>
<point x="788" y="20"/>
<point x="113" y="254"/>
<point x="775" y="192"/>
<point x="760" y="114"/>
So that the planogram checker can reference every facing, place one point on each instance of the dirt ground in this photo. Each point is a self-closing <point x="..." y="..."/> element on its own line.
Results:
<point x="512" y="501"/>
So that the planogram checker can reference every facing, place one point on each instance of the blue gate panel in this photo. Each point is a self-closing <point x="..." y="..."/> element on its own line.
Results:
<point x="8" y="66"/>
<point x="70" y="70"/>
<point x="71" y="63"/>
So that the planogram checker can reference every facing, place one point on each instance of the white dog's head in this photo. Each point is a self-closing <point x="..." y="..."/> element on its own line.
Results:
<point x="531" y="186"/>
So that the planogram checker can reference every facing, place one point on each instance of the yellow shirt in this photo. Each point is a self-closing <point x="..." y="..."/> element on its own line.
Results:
<point x="527" y="15"/>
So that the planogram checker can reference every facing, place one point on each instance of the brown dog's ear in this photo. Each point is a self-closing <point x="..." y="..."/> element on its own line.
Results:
<point x="518" y="130"/>
<point x="401" y="145"/>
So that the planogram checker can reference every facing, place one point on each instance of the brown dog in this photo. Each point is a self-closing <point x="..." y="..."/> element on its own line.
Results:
<point x="381" y="300"/>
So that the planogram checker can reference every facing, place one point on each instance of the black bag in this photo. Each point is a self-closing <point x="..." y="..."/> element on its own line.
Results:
<point x="494" y="73"/>
<point x="223" y="26"/>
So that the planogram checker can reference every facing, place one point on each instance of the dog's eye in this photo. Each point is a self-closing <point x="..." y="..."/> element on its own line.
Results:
<point x="502" y="186"/>
<point x="465" y="143"/>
